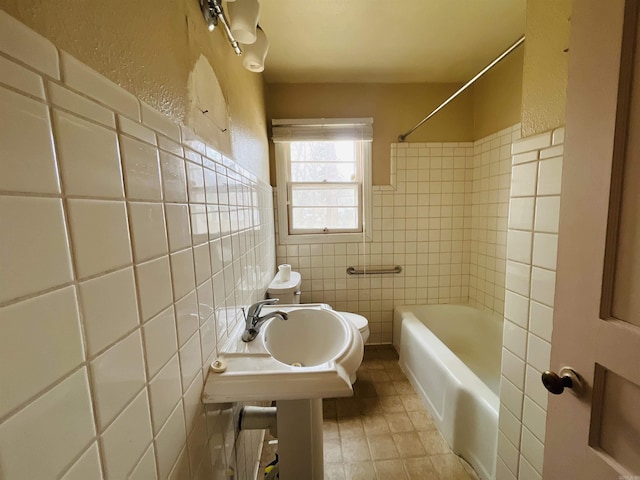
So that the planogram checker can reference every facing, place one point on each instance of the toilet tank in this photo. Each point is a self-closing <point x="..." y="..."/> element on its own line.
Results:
<point x="287" y="292"/>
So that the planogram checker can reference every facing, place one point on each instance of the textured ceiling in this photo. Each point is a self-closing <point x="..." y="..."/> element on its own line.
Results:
<point x="386" y="41"/>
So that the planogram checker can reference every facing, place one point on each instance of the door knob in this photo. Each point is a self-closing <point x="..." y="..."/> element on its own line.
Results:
<point x="568" y="378"/>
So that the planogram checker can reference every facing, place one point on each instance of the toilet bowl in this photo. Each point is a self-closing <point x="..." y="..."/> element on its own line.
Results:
<point x="288" y="292"/>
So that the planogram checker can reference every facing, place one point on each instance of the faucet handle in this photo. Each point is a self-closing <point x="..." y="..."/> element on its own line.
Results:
<point x="254" y="310"/>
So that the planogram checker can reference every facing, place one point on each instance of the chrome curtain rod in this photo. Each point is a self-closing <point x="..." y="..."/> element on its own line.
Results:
<point x="403" y="137"/>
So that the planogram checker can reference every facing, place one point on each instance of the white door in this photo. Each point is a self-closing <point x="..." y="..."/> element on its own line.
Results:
<point x="597" y="310"/>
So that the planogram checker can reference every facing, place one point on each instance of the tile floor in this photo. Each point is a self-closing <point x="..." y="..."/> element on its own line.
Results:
<point x="383" y="431"/>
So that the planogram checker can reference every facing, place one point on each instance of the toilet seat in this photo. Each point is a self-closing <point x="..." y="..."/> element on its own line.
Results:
<point x="360" y="322"/>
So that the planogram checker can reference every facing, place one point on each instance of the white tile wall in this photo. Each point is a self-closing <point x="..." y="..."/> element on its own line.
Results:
<point x="530" y="287"/>
<point x="444" y="221"/>
<point x="109" y="312"/>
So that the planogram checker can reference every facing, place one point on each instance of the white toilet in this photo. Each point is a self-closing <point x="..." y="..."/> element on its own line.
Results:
<point x="288" y="292"/>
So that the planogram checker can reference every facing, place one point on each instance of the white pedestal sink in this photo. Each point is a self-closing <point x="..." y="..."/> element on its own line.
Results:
<point x="296" y="362"/>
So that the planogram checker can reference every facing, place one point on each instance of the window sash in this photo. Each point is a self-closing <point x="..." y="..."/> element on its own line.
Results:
<point x="332" y="212"/>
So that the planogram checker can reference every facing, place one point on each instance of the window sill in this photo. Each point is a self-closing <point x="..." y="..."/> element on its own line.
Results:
<point x="287" y="239"/>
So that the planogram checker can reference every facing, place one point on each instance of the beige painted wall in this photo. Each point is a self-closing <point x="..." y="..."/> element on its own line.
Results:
<point x="151" y="48"/>
<point x="545" y="65"/>
<point x="395" y="108"/>
<point x="497" y="96"/>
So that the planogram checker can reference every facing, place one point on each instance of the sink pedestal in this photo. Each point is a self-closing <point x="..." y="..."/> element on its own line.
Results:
<point x="300" y="450"/>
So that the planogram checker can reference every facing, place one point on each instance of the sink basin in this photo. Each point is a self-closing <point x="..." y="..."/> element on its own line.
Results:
<point x="308" y="338"/>
<point x="311" y="355"/>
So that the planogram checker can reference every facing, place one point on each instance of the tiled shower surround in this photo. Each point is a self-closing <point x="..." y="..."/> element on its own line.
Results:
<point x="443" y="219"/>
<point x="127" y="247"/>
<point x="530" y="288"/>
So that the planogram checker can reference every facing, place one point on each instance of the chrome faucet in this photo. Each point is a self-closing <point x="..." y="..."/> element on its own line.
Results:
<point x="254" y="321"/>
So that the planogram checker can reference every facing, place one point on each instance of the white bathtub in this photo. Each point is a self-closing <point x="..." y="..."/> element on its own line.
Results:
<point x="451" y="355"/>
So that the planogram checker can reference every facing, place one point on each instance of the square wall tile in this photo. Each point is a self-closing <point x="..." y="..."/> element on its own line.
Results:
<point x="165" y="390"/>
<point x="511" y="397"/>
<point x="519" y="246"/>
<point x="195" y="183"/>
<point x="543" y="285"/>
<point x="154" y="286"/>
<point x="510" y="426"/>
<point x="88" y="156"/>
<point x="550" y="176"/>
<point x="58" y="425"/>
<point x="523" y="180"/>
<point x="178" y="226"/>
<point x="182" y="273"/>
<point x="160" y="340"/>
<point x="187" y="321"/>
<point x="541" y="320"/>
<point x="534" y="389"/>
<point x="515" y="338"/>
<point x="508" y="453"/>
<point x="202" y="263"/>
<point x="40" y="341"/>
<point x="141" y="166"/>
<point x="170" y="441"/>
<point x="534" y="418"/>
<point x="20" y="78"/>
<point x="173" y="178"/>
<point x="190" y="360"/>
<point x="538" y="353"/>
<point x="100" y="235"/>
<point x="148" y="230"/>
<point x="521" y="213"/>
<point x="516" y="308"/>
<point x="518" y="278"/>
<point x="545" y="250"/>
<point x="28" y="162"/>
<point x="87" y="466"/>
<point x="117" y="376"/>
<point x="513" y="368"/>
<point x="65" y="98"/>
<point x="109" y="308"/>
<point x="19" y="41"/>
<point x="127" y="438"/>
<point x="547" y="214"/>
<point x="30" y="261"/>
<point x="146" y="468"/>
<point x="80" y="77"/>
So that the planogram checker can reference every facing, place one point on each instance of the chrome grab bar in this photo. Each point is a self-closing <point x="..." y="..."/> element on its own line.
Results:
<point x="354" y="271"/>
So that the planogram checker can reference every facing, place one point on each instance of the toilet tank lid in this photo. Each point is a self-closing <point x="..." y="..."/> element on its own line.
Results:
<point x="276" y="287"/>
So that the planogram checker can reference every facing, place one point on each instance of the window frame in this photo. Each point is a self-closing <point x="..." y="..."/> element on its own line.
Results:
<point x="283" y="161"/>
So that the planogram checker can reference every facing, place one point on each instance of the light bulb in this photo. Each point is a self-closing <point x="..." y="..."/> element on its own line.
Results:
<point x="244" y="20"/>
<point x="255" y="54"/>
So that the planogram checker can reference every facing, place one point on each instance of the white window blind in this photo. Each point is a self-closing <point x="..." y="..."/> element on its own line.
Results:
<point x="327" y="129"/>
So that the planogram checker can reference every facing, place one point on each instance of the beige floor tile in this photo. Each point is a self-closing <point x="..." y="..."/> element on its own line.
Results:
<point x="347" y="407"/>
<point x="392" y="404"/>
<point x="330" y="429"/>
<point x="364" y="389"/>
<point x="334" y="471"/>
<point x="375" y="425"/>
<point x="399" y="422"/>
<point x="390" y="470"/>
<point x="379" y="376"/>
<point x="329" y="408"/>
<point x="370" y="406"/>
<point x="359" y="471"/>
<point x="350" y="427"/>
<point x="420" y="468"/>
<point x="384" y="389"/>
<point x="433" y="442"/>
<point x="449" y="467"/>
<point x="412" y="403"/>
<point x="409" y="445"/>
<point x="332" y="451"/>
<point x="404" y="387"/>
<point x="422" y="421"/>
<point x="382" y="447"/>
<point x="355" y="449"/>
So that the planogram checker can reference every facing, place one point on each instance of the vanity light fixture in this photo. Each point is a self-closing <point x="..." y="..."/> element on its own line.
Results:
<point x="213" y="14"/>
<point x="242" y="28"/>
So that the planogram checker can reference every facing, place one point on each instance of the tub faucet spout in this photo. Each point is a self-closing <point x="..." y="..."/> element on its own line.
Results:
<point x="254" y="321"/>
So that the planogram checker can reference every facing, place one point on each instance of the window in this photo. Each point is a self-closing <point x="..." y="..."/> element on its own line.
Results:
<point x="323" y="170"/>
